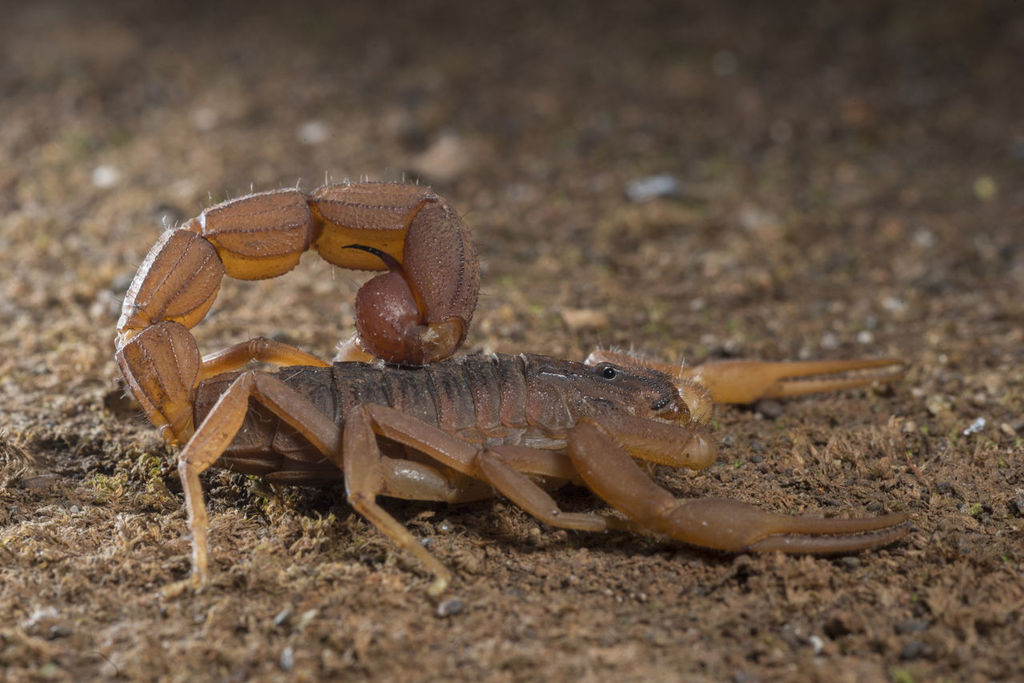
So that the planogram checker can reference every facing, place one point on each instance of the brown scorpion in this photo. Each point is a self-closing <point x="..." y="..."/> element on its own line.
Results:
<point x="419" y="425"/>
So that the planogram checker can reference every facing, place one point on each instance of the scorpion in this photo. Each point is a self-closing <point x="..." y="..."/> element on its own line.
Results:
<point x="396" y="414"/>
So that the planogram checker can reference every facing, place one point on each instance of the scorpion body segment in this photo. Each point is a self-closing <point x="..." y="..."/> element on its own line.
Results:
<point x="459" y="429"/>
<point x="485" y="399"/>
<point x="417" y="312"/>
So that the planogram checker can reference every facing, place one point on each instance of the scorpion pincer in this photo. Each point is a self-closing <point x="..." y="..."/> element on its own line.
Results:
<point x="426" y="427"/>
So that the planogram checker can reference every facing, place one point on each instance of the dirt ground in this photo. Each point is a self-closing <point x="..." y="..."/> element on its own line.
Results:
<point x="836" y="180"/>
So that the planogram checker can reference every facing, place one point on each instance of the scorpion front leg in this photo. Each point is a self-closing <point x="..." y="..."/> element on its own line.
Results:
<point x="716" y="523"/>
<point x="504" y="467"/>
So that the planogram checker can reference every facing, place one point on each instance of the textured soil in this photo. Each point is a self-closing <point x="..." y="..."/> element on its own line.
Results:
<point x="838" y="180"/>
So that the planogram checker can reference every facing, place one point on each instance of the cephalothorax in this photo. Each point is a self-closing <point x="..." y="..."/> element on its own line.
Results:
<point x="460" y="429"/>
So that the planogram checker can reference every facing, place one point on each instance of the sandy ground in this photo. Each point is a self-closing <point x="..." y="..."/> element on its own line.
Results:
<point x="841" y="181"/>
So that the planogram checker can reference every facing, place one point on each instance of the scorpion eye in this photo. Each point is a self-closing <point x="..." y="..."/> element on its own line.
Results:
<point x="607" y="371"/>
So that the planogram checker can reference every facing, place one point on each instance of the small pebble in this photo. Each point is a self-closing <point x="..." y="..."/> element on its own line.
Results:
<point x="923" y="237"/>
<point x="306" y="618"/>
<point x="205" y="118"/>
<point x="652" y="187"/>
<point x="769" y="408"/>
<point x="45" y="623"/>
<point x="976" y="510"/>
<point x="105" y="176"/>
<point x="894" y="304"/>
<point x="789" y="634"/>
<point x="283" y="617"/>
<point x="447" y="158"/>
<point x="449" y="607"/>
<point x="976" y="427"/>
<point x="40" y="615"/>
<point x="287" y="658"/>
<point x="817" y="644"/>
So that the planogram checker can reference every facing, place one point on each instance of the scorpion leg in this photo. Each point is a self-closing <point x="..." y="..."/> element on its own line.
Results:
<point x="714" y="523"/>
<point x="256" y="349"/>
<point x="214" y="435"/>
<point x="501" y="466"/>
<point x="418" y="480"/>
<point x="457" y="453"/>
<point x="365" y="480"/>
<point x="202" y="450"/>
<point x="350" y="350"/>
<point x="367" y="474"/>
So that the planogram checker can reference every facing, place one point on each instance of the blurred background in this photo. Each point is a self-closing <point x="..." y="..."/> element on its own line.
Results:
<point x="701" y="155"/>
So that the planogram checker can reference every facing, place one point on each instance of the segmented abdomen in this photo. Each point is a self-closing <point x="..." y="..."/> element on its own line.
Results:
<point x="481" y="397"/>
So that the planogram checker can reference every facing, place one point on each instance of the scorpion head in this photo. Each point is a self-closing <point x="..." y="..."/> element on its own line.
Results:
<point x="650" y="391"/>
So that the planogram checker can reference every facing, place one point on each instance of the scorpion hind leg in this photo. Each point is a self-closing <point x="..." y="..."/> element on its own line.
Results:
<point x="715" y="523"/>
<point x="365" y="479"/>
<point x="214" y="435"/>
